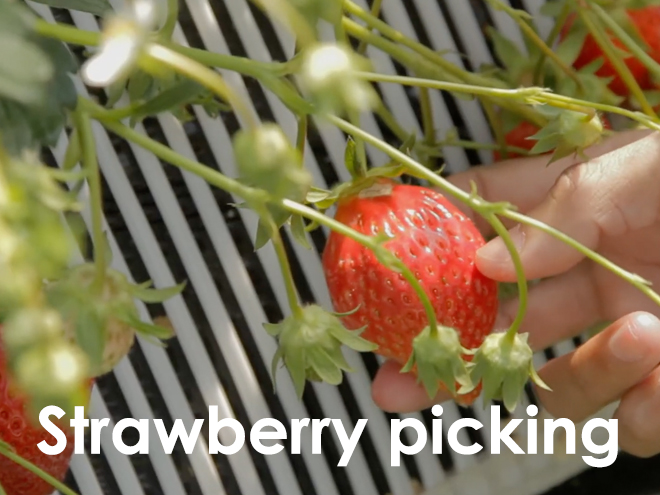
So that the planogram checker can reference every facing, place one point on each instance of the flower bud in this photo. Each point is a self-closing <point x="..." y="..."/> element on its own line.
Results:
<point x="328" y="77"/>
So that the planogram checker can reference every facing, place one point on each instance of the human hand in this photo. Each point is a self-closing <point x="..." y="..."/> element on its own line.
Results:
<point x="611" y="204"/>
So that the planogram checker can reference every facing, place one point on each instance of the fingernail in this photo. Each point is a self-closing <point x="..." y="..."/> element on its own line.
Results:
<point x="496" y="251"/>
<point x="629" y="343"/>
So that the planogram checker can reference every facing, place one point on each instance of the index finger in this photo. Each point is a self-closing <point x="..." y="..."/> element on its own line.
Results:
<point x="525" y="182"/>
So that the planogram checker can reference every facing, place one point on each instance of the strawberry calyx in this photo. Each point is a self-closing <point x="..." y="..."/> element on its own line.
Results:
<point x="89" y="315"/>
<point x="503" y="365"/>
<point x="437" y="357"/>
<point x="310" y="346"/>
<point x="567" y="133"/>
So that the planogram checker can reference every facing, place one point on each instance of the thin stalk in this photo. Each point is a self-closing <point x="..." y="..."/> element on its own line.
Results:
<point x="552" y="37"/>
<point x="536" y="40"/>
<point x="484" y="208"/>
<point x="622" y="69"/>
<point x="361" y="150"/>
<point x="90" y="164"/>
<point x="301" y="136"/>
<point x="375" y="12"/>
<point x="497" y="127"/>
<point x="626" y="39"/>
<point x="390" y="121"/>
<point x="66" y="33"/>
<point x="429" y="69"/>
<point x="427" y="120"/>
<point x="204" y="76"/>
<point x="56" y="484"/>
<point x="501" y="230"/>
<point x="509" y="94"/>
<point x="285" y="267"/>
<point x="172" y="17"/>
<point x="426" y="52"/>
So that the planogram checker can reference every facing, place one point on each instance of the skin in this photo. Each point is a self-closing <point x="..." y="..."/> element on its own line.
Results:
<point x="611" y="204"/>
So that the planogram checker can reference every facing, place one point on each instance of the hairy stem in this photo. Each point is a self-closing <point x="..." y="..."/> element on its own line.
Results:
<point x="375" y="12"/>
<point x="285" y="267"/>
<point x="427" y="120"/>
<point x="552" y="37"/>
<point x="90" y="164"/>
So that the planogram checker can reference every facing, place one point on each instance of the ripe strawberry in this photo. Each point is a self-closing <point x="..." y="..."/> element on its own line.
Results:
<point x="642" y="22"/>
<point x="436" y="242"/>
<point x="23" y="434"/>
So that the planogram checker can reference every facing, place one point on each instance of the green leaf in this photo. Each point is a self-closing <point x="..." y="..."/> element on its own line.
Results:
<point x="295" y="363"/>
<point x="140" y="86"/>
<point x="181" y="93"/>
<point x="24" y="70"/>
<point x="298" y="231"/>
<point x="353" y="340"/>
<point x="324" y="366"/>
<point x="350" y="156"/>
<point x="147" y="329"/>
<point x="96" y="7"/>
<point x="505" y="49"/>
<point x="157" y="295"/>
<point x="570" y="47"/>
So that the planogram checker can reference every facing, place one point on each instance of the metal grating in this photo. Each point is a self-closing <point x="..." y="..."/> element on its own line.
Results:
<point x="167" y="226"/>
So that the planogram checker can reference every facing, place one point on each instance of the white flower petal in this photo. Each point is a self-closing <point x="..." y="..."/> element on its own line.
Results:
<point x="115" y="58"/>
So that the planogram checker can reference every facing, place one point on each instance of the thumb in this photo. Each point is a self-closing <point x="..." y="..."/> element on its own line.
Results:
<point x="606" y="197"/>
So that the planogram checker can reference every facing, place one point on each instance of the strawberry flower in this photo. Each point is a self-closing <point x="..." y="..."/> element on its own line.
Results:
<point x="122" y="41"/>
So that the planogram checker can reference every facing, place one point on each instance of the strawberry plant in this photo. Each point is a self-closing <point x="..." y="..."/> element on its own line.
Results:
<point x="399" y="262"/>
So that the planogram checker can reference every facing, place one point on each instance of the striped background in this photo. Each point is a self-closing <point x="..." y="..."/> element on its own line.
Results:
<point x="169" y="226"/>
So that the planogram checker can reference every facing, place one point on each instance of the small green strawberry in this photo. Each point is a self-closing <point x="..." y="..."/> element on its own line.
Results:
<point x="104" y="322"/>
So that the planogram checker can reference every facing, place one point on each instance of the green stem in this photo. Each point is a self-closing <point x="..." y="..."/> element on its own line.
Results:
<point x="426" y="68"/>
<point x="66" y="33"/>
<point x="172" y="17"/>
<point x="622" y="69"/>
<point x="510" y="94"/>
<point x="485" y="208"/>
<point x="375" y="12"/>
<point x="533" y="36"/>
<point x="382" y="253"/>
<point x="471" y="145"/>
<point x="497" y="127"/>
<point x="552" y="37"/>
<point x="204" y="76"/>
<point x="56" y="484"/>
<point x="501" y="230"/>
<point x="90" y="164"/>
<point x="361" y="165"/>
<point x="170" y="156"/>
<point x="635" y="280"/>
<point x="390" y="121"/>
<point x="301" y="137"/>
<point x="626" y="39"/>
<point x="427" y="121"/>
<point x="285" y="267"/>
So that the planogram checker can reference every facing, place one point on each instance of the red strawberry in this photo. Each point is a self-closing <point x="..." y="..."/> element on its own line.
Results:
<point x="518" y="137"/>
<point x="23" y="434"/>
<point x="644" y="22"/>
<point x="437" y="242"/>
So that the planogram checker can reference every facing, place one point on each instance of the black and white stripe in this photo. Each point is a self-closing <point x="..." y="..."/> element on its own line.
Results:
<point x="168" y="226"/>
